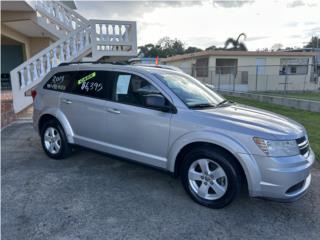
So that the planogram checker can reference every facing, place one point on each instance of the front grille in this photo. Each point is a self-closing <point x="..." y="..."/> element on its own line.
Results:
<point x="303" y="145"/>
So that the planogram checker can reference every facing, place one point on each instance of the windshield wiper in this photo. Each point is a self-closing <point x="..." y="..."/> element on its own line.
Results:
<point x="203" y="105"/>
<point x="223" y="102"/>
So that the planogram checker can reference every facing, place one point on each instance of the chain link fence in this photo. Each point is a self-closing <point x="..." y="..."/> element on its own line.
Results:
<point x="262" y="78"/>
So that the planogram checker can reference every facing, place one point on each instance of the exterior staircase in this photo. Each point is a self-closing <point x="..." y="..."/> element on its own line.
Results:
<point x="78" y="38"/>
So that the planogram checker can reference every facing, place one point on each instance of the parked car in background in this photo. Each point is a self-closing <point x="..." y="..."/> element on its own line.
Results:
<point x="169" y="120"/>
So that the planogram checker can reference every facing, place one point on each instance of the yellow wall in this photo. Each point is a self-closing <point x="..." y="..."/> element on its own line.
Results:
<point x="32" y="45"/>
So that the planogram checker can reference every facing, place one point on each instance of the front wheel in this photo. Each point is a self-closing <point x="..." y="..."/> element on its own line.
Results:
<point x="210" y="178"/>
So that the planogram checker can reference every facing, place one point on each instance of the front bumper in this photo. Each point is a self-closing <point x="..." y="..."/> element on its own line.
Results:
<point x="283" y="179"/>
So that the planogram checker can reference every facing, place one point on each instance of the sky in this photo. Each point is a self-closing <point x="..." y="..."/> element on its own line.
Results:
<point x="211" y="22"/>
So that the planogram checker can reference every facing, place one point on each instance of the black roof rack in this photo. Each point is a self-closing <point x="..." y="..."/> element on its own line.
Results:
<point x="72" y="63"/>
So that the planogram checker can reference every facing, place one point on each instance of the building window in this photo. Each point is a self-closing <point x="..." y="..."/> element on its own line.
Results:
<point x="293" y="66"/>
<point x="226" y="66"/>
<point x="202" y="67"/>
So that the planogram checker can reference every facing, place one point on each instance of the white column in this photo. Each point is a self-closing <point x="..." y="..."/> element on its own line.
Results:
<point x="113" y="32"/>
<point x="48" y="62"/>
<point x="61" y="53"/>
<point x="74" y="46"/>
<point x="107" y="33"/>
<point x="68" y="55"/>
<point x="23" y="84"/>
<point x="87" y="38"/>
<point x="54" y="59"/>
<point x="100" y="32"/>
<point x="81" y="40"/>
<point x="35" y="71"/>
<point x="126" y="33"/>
<point x="29" y="81"/>
<point x="42" y="59"/>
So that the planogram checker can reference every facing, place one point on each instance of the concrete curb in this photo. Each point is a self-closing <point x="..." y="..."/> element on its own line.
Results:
<point x="302" y="104"/>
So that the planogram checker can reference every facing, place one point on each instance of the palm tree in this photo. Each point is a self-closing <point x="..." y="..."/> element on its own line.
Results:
<point x="236" y="44"/>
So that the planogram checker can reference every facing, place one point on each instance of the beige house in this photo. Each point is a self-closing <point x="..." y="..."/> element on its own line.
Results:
<point x="251" y="70"/>
<point x="39" y="35"/>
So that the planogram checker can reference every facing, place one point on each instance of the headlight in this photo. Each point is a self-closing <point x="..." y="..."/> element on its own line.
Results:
<point x="277" y="148"/>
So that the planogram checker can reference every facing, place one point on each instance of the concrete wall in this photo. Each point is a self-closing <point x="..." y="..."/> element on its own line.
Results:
<point x="302" y="104"/>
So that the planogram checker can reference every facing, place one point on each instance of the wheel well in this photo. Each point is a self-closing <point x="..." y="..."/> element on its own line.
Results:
<point x="45" y="118"/>
<point x="194" y="145"/>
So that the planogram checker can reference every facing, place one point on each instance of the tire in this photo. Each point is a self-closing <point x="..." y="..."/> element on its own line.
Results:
<point x="219" y="186"/>
<point x="54" y="141"/>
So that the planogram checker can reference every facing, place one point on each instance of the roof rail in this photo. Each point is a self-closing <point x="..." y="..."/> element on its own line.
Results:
<point x="72" y="63"/>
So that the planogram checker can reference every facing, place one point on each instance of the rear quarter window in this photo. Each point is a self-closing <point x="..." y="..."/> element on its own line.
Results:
<point x="61" y="82"/>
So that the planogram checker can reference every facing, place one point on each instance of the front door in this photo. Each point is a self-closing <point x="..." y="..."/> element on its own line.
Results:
<point x="133" y="130"/>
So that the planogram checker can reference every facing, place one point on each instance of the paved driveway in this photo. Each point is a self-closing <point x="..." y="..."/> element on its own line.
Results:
<point x="91" y="196"/>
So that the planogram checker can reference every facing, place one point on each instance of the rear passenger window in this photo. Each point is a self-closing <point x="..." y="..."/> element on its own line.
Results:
<point x="132" y="89"/>
<point x="97" y="84"/>
<point x="61" y="82"/>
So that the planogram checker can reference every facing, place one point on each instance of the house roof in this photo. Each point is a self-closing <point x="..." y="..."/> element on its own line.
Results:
<point x="237" y="54"/>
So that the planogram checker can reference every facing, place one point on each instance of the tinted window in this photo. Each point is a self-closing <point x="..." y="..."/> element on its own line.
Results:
<point x="60" y="82"/>
<point x="132" y="89"/>
<point x="97" y="84"/>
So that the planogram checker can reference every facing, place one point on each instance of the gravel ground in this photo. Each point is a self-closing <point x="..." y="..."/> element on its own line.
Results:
<point x="92" y="196"/>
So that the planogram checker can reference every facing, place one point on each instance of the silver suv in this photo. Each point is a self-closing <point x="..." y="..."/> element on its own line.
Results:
<point x="170" y="120"/>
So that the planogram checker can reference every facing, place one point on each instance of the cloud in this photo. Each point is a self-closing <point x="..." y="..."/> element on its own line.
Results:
<point x="250" y="39"/>
<point x="296" y="3"/>
<point x="291" y="24"/>
<point x="126" y="10"/>
<point x="312" y="32"/>
<point x="310" y="23"/>
<point x="295" y="36"/>
<point x="231" y="3"/>
<point x="203" y="42"/>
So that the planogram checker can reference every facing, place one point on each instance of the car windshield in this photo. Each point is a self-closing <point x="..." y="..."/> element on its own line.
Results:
<point x="192" y="92"/>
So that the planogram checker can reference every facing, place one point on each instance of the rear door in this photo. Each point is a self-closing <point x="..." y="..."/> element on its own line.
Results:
<point x="85" y="105"/>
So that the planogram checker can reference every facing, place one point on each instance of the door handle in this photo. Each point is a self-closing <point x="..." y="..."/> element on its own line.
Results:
<point x="67" y="101"/>
<point x="113" y="110"/>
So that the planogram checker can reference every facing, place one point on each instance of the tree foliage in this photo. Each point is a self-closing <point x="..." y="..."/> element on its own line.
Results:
<point x="236" y="44"/>
<point x="313" y="43"/>
<point x="167" y="47"/>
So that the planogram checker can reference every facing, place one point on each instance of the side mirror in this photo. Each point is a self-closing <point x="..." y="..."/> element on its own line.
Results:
<point x="210" y="86"/>
<point x="157" y="101"/>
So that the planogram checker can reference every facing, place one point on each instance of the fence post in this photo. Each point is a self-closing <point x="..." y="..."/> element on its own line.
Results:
<point x="257" y="77"/>
<point x="285" y="83"/>
<point x="267" y="77"/>
<point x="233" y="83"/>
<point x="219" y="81"/>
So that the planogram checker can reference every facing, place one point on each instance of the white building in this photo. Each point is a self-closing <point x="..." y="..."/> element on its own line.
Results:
<point x="251" y="70"/>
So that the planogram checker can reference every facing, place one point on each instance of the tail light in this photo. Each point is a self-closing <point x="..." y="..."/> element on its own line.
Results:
<point x="33" y="94"/>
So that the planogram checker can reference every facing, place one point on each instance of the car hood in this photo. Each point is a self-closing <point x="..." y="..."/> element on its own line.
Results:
<point x="259" y="123"/>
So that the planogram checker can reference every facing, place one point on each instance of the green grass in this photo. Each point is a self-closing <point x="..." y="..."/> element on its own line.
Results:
<point x="315" y="96"/>
<point x="310" y="120"/>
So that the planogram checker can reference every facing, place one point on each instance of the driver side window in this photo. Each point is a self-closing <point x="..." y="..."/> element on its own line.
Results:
<point x="132" y="89"/>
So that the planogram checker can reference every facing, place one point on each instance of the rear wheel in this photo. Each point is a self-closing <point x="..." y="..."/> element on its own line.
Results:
<point x="54" y="141"/>
<point x="210" y="178"/>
